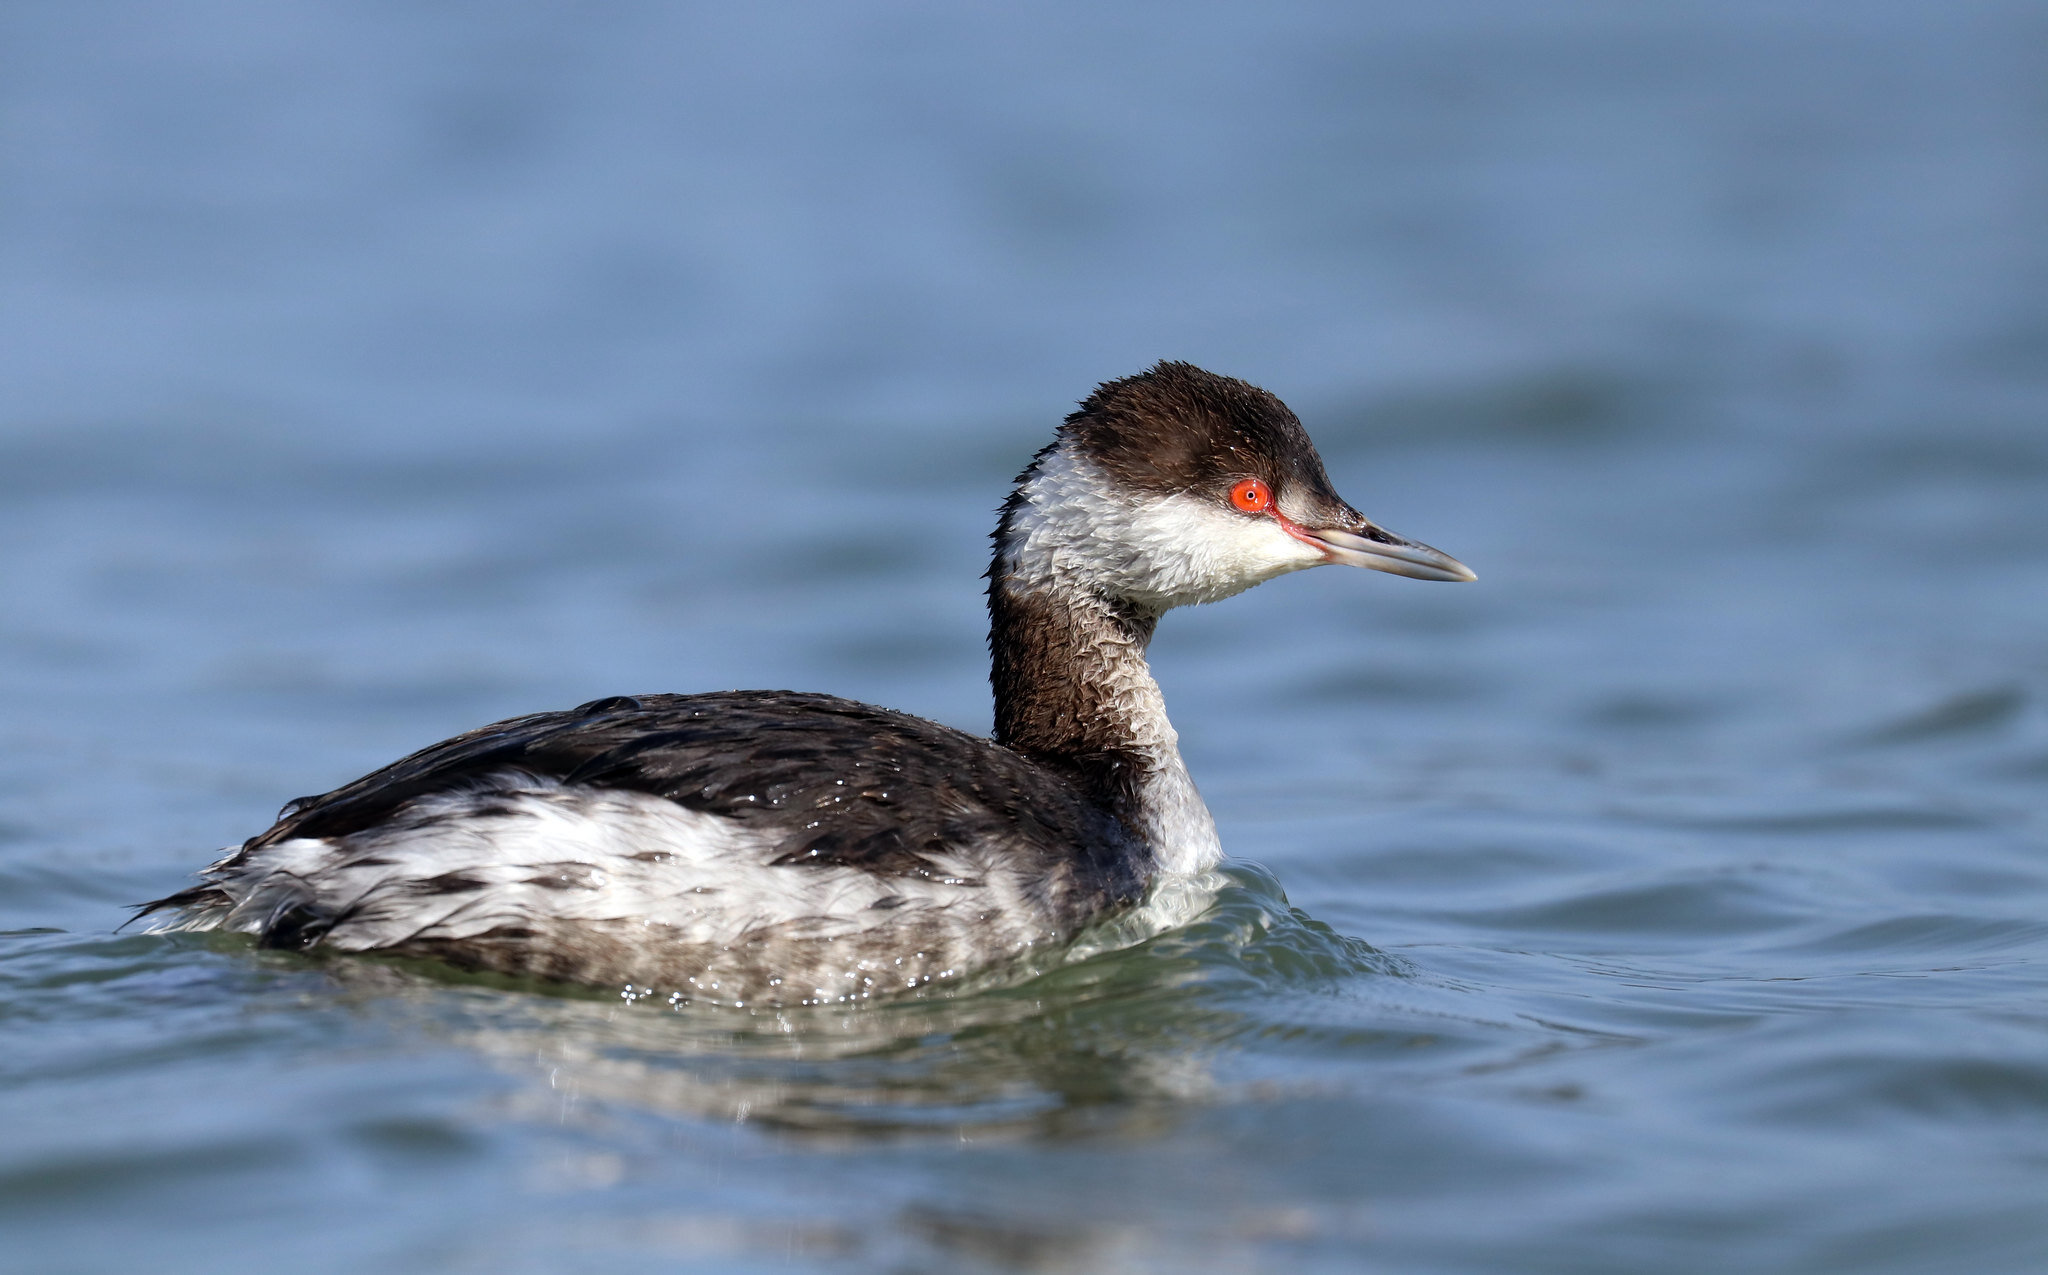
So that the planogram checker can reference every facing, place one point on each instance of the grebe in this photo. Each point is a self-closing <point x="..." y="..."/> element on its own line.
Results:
<point x="771" y="848"/>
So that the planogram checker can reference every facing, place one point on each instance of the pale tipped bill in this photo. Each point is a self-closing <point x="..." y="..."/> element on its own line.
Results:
<point x="1381" y="550"/>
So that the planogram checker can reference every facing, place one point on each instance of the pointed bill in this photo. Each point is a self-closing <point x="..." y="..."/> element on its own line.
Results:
<point x="1384" y="551"/>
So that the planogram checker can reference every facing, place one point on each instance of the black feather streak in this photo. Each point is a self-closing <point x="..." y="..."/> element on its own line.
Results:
<point x="814" y="786"/>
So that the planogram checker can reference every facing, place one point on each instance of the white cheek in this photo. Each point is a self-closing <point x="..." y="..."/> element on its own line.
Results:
<point x="1197" y="551"/>
<point x="1157" y="551"/>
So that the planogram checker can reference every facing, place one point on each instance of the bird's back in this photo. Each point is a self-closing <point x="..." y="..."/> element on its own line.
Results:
<point x="757" y="846"/>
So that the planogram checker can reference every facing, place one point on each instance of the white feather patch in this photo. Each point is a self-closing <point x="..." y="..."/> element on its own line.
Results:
<point x="1078" y="526"/>
<point x="517" y="849"/>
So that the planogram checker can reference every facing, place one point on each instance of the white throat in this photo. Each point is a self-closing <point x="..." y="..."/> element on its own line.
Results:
<point x="1176" y="821"/>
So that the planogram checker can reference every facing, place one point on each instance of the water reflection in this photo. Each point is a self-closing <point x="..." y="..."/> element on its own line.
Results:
<point x="1104" y="1036"/>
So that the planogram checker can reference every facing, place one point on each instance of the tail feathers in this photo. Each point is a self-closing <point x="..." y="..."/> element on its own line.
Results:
<point x="201" y="907"/>
<point x="282" y="912"/>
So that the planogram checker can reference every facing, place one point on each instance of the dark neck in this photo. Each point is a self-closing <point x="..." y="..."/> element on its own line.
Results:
<point x="1064" y="668"/>
<point x="1073" y="691"/>
<point x="1067" y="662"/>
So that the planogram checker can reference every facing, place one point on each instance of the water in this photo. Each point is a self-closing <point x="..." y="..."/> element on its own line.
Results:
<point x="1674" y="899"/>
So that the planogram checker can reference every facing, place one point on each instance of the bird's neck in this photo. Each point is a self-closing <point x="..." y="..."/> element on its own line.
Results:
<point x="1072" y="690"/>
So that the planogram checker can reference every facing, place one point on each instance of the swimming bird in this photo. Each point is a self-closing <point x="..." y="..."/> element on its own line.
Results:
<point x="776" y="848"/>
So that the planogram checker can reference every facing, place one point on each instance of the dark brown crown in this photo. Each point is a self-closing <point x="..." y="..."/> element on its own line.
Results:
<point x="1177" y="428"/>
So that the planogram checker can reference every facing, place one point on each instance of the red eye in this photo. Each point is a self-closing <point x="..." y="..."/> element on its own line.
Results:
<point x="1252" y="496"/>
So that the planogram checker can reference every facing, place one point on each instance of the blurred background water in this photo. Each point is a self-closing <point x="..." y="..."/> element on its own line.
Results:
<point x="1674" y="899"/>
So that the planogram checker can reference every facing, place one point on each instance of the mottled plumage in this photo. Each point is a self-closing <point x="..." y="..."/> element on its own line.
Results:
<point x="795" y="823"/>
<point x="775" y="847"/>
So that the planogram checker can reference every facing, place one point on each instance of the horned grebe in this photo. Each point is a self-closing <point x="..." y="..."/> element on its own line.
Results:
<point x="770" y="848"/>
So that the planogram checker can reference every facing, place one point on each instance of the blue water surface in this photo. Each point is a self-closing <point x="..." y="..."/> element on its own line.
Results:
<point x="1674" y="899"/>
